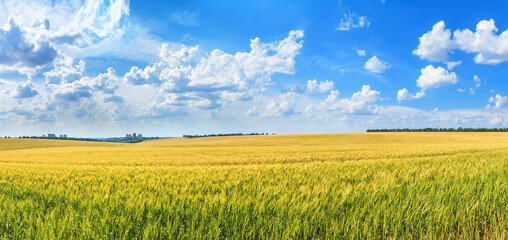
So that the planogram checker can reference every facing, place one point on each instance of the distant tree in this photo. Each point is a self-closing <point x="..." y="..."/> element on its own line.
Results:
<point x="460" y="129"/>
<point x="222" y="135"/>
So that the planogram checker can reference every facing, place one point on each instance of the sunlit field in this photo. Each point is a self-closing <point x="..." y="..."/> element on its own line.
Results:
<point x="320" y="186"/>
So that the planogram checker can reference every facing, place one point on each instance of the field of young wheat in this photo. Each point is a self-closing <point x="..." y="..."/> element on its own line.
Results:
<point x="320" y="186"/>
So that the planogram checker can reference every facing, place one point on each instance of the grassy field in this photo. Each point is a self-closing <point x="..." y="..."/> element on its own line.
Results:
<point x="322" y="186"/>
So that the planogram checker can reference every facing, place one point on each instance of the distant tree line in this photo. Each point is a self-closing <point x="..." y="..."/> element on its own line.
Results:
<point x="90" y="139"/>
<point x="132" y="140"/>
<point x="63" y="138"/>
<point x="460" y="129"/>
<point x="225" y="134"/>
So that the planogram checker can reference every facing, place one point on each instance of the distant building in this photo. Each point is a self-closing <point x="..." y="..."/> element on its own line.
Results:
<point x="63" y="136"/>
<point x="133" y="136"/>
<point x="51" y="135"/>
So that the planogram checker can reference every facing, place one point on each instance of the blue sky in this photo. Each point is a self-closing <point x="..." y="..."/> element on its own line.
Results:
<point x="166" y="68"/>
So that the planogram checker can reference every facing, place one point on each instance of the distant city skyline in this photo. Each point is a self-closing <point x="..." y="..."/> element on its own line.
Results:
<point x="168" y="68"/>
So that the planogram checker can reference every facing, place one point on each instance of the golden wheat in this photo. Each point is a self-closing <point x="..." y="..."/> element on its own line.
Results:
<point x="325" y="186"/>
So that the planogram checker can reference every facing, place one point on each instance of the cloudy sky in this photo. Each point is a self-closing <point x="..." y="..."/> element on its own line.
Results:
<point x="166" y="68"/>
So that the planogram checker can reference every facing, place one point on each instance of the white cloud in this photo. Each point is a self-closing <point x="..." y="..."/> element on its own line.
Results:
<point x="85" y="87"/>
<point x="93" y="22"/>
<point x="219" y="77"/>
<point x="253" y="112"/>
<point x="42" y="32"/>
<point x="80" y="29"/>
<point x="432" y="77"/>
<point x="477" y="81"/>
<point x="20" y="51"/>
<point x="411" y="117"/>
<point x="404" y="95"/>
<point x="360" y="52"/>
<point x="170" y="67"/>
<point x="435" y="44"/>
<point x="72" y="22"/>
<point x="183" y="82"/>
<point x="497" y="101"/>
<point x="499" y="119"/>
<point x="314" y="86"/>
<point x="3" y="81"/>
<point x="359" y="103"/>
<point x="451" y="65"/>
<point x="489" y="47"/>
<point x="24" y="90"/>
<point x="310" y="108"/>
<point x="350" y="20"/>
<point x="65" y="72"/>
<point x="375" y="65"/>
<point x="282" y="107"/>
<point x="471" y="90"/>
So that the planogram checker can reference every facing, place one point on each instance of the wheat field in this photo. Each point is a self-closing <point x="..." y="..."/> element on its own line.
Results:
<point x="315" y="186"/>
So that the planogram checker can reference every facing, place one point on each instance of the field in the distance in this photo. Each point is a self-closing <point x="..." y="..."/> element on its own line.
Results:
<point x="326" y="186"/>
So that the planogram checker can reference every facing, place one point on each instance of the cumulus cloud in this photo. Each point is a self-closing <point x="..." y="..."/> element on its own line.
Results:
<point x="42" y="32"/>
<point x="282" y="107"/>
<point x="375" y="65"/>
<point x="93" y="22"/>
<point x="450" y="64"/>
<point x="432" y="77"/>
<point x="24" y="90"/>
<point x="90" y="98"/>
<point x="314" y="86"/>
<point x="497" y="101"/>
<point x="80" y="28"/>
<point x="3" y="81"/>
<point x="360" y="52"/>
<point x="218" y="77"/>
<point x="21" y="52"/>
<point x="65" y="72"/>
<point x="404" y="95"/>
<point x="169" y="69"/>
<point x="72" y="91"/>
<point x="489" y="47"/>
<point x="85" y="87"/>
<point x="350" y="20"/>
<point x="220" y="70"/>
<point x="183" y="81"/>
<point x="359" y="103"/>
<point x="435" y="44"/>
